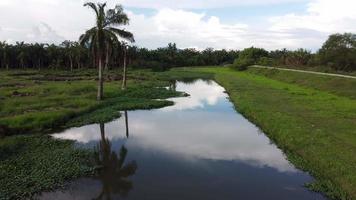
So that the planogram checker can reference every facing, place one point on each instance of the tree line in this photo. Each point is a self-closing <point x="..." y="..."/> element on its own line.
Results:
<point x="70" y="55"/>
<point x="338" y="53"/>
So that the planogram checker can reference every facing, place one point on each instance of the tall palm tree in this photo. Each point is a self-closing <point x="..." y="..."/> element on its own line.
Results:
<point x="104" y="33"/>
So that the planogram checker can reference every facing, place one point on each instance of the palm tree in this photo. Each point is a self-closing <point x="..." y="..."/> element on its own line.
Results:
<point x="69" y="51"/>
<point x="104" y="34"/>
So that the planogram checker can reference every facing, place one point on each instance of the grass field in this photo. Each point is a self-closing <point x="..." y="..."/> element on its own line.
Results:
<point x="312" y="118"/>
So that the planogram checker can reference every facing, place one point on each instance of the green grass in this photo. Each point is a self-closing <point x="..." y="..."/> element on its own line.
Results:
<point x="31" y="106"/>
<point x="313" y="123"/>
<point x="335" y="85"/>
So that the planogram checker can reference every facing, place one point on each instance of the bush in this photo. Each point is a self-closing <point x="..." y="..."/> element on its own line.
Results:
<point x="265" y="61"/>
<point x="242" y="64"/>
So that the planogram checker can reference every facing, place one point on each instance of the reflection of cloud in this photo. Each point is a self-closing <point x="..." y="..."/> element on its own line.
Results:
<point x="218" y="135"/>
<point x="201" y="93"/>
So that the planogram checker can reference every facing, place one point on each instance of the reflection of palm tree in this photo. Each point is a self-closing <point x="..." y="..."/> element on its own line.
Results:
<point x="114" y="172"/>
<point x="127" y="124"/>
<point x="173" y="86"/>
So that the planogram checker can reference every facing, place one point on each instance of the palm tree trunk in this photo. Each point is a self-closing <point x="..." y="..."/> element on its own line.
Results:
<point x="124" y="74"/>
<point x="71" y="63"/>
<point x="100" y="83"/>
<point x="39" y="64"/>
<point x="107" y="58"/>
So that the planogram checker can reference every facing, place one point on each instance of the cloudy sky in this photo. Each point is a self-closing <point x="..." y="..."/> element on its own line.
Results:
<point x="230" y="24"/>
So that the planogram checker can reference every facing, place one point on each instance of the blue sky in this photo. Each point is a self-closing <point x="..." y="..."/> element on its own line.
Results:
<point x="230" y="24"/>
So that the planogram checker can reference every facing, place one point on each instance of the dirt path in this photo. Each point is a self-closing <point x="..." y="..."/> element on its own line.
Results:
<point x="303" y="71"/>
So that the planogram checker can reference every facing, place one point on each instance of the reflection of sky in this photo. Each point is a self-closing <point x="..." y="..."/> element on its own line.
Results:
<point x="202" y="126"/>
<point x="201" y="93"/>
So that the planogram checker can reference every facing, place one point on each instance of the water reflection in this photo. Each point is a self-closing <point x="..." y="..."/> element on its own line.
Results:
<point x="127" y="123"/>
<point x="201" y="93"/>
<point x="201" y="126"/>
<point x="113" y="172"/>
<point x="198" y="145"/>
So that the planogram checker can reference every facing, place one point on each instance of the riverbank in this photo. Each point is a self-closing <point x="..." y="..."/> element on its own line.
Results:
<point x="307" y="116"/>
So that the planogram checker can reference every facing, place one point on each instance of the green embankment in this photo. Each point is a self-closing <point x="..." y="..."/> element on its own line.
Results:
<point x="335" y="85"/>
<point x="312" y="118"/>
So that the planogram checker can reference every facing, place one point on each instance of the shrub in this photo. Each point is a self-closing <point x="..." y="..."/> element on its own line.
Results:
<point x="242" y="64"/>
<point x="265" y="61"/>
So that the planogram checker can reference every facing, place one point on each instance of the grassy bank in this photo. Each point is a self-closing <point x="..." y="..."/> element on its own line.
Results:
<point x="34" y="103"/>
<point x="336" y="85"/>
<point x="312" y="121"/>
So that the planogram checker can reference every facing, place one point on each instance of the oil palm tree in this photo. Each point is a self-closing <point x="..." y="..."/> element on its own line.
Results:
<point x="104" y="34"/>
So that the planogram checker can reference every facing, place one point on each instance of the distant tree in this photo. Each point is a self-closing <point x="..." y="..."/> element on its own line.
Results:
<point x="70" y="51"/>
<point x="248" y="57"/>
<point x="299" y="57"/>
<point x="4" y="55"/>
<point x="339" y="52"/>
<point x="39" y="53"/>
<point x="254" y="54"/>
<point x="104" y="34"/>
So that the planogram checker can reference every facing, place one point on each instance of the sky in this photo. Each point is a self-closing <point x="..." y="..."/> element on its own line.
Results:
<point x="219" y="24"/>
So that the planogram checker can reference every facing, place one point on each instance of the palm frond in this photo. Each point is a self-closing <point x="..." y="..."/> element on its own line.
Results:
<point x="84" y="38"/>
<point x="116" y="17"/>
<point x="123" y="34"/>
<point x="93" y="6"/>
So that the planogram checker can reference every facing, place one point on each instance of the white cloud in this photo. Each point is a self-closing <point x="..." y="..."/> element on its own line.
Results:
<point x="186" y="29"/>
<point x="55" y="20"/>
<point x="323" y="17"/>
<point x="200" y="4"/>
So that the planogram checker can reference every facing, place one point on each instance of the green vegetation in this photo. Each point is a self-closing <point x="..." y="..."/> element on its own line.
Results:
<point x="36" y="163"/>
<point x="335" y="85"/>
<point x="34" y="103"/>
<point x="339" y="51"/>
<point x="248" y="57"/>
<point x="335" y="56"/>
<point x="312" y="123"/>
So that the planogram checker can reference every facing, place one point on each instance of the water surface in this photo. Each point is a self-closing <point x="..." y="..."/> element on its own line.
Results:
<point x="200" y="148"/>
